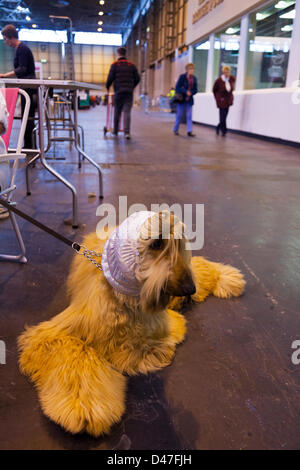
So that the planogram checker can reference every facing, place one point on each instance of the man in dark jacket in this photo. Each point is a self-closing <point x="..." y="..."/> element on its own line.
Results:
<point x="23" y="68"/>
<point x="125" y="77"/>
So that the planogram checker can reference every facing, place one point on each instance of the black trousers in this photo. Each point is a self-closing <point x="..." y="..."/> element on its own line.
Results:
<point x="123" y="102"/>
<point x="223" y="118"/>
<point x="28" y="144"/>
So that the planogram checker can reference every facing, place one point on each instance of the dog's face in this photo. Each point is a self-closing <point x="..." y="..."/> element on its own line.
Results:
<point x="164" y="268"/>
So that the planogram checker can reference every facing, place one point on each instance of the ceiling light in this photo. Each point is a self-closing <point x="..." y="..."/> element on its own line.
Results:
<point x="263" y="15"/>
<point x="287" y="28"/>
<point x="290" y="15"/>
<point x="28" y="18"/>
<point x="284" y="4"/>
<point x="34" y="25"/>
<point x="101" y="2"/>
<point x="101" y="13"/>
<point x="232" y="30"/>
<point x="250" y="30"/>
<point x="100" y="22"/>
<point x="22" y="9"/>
<point x="99" y="29"/>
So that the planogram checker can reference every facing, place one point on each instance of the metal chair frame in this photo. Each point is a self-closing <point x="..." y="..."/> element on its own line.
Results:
<point x="8" y="192"/>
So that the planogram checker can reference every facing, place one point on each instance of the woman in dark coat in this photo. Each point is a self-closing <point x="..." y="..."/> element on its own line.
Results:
<point x="187" y="87"/>
<point x="223" y="91"/>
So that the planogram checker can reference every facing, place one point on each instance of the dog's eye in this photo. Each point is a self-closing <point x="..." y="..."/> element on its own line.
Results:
<point x="157" y="244"/>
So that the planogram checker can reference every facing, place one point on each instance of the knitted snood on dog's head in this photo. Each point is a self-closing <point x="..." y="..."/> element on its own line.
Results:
<point x="120" y="253"/>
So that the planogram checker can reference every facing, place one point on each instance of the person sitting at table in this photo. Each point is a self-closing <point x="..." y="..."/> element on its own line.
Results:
<point x="23" y="68"/>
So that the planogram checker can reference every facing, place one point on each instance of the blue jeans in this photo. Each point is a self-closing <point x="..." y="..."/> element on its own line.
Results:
<point x="180" y="108"/>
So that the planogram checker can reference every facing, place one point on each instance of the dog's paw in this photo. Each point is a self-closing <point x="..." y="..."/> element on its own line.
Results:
<point x="221" y="280"/>
<point x="77" y="390"/>
<point x="90" y="397"/>
<point x="231" y="282"/>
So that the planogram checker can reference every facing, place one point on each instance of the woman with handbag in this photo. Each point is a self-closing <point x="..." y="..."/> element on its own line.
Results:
<point x="223" y="91"/>
<point x="186" y="88"/>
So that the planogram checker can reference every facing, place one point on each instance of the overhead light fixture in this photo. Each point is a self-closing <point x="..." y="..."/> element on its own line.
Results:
<point x="290" y="15"/>
<point x="287" y="28"/>
<point x="232" y="30"/>
<point x="101" y="2"/>
<point x="250" y="30"/>
<point x="284" y="4"/>
<point x="100" y="22"/>
<point x="262" y="16"/>
<point x="28" y="18"/>
<point x="99" y="29"/>
<point x="34" y="25"/>
<point x="101" y="13"/>
<point x="22" y="9"/>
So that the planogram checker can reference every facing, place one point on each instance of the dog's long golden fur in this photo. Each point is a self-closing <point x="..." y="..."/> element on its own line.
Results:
<point x="78" y="358"/>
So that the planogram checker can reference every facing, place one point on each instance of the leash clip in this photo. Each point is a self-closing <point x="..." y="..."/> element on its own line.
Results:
<point x="88" y="254"/>
<point x="76" y="247"/>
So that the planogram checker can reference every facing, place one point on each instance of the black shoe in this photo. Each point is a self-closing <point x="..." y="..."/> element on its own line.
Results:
<point x="218" y="129"/>
<point x="128" y="136"/>
<point x="190" y="134"/>
<point x="224" y="134"/>
<point x="176" y="132"/>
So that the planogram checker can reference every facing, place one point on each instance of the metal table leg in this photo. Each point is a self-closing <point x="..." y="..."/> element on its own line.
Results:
<point x="75" y="105"/>
<point x="47" y="166"/>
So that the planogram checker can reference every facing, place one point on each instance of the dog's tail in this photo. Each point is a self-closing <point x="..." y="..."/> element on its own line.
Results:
<point x="221" y="280"/>
<point x="77" y="389"/>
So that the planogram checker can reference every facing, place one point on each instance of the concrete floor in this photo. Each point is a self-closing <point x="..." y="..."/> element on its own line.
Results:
<point x="232" y="384"/>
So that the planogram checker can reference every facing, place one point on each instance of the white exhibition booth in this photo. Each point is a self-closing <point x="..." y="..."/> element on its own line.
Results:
<point x="266" y="111"/>
<point x="271" y="113"/>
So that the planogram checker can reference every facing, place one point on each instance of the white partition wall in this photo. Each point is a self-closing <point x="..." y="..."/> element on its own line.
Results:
<point x="268" y="63"/>
<point x="270" y="113"/>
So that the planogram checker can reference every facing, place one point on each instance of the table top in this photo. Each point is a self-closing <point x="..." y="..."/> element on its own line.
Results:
<point x="62" y="84"/>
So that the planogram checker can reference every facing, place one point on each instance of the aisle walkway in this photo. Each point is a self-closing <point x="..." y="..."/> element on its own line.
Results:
<point x="232" y="383"/>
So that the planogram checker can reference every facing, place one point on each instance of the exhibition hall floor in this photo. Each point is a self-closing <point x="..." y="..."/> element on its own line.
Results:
<point x="232" y="383"/>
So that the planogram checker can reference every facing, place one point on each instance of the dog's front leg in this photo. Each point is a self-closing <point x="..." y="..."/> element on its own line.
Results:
<point x="140" y="353"/>
<point x="77" y="389"/>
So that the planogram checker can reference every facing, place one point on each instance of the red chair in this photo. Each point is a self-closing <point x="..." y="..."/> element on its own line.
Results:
<point x="10" y="96"/>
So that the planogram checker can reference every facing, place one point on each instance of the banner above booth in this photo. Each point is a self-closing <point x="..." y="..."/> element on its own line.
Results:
<point x="206" y="16"/>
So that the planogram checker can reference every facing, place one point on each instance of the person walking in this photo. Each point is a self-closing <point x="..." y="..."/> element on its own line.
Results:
<point x="223" y="91"/>
<point x="171" y="95"/>
<point x="23" y="68"/>
<point x="186" y="88"/>
<point x="125" y="77"/>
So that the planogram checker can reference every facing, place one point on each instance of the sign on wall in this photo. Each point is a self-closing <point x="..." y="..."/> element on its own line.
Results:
<point x="205" y="7"/>
<point x="207" y="16"/>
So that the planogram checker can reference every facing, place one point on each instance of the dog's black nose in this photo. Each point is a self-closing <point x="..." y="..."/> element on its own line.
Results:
<point x="188" y="287"/>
